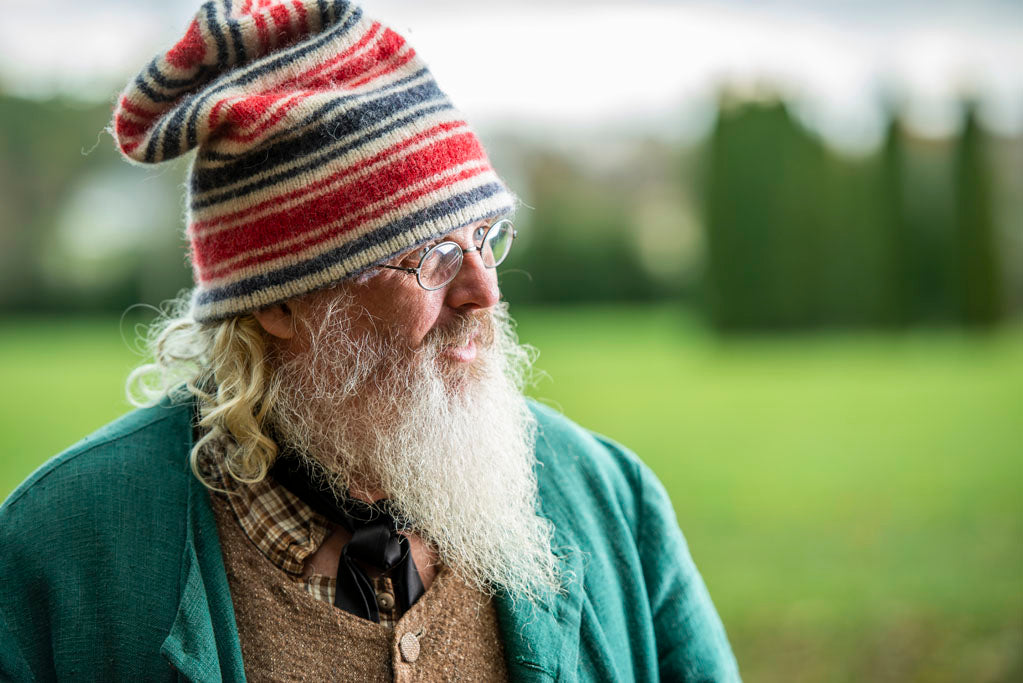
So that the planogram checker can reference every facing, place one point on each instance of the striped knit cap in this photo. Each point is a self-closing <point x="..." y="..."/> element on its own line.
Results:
<point x="324" y="147"/>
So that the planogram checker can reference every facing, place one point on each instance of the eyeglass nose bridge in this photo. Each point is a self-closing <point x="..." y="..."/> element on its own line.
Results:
<point x="477" y="249"/>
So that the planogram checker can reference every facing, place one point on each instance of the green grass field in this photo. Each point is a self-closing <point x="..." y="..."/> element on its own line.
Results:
<point x="853" y="500"/>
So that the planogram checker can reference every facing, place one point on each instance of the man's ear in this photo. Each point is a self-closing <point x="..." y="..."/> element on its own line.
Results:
<point x="277" y="320"/>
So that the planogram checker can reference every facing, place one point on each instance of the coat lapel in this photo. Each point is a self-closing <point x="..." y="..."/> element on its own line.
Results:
<point x="203" y="643"/>
<point x="541" y="642"/>
<point x="190" y="646"/>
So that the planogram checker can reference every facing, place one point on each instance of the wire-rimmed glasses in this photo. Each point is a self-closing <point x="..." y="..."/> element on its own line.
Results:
<point x="440" y="263"/>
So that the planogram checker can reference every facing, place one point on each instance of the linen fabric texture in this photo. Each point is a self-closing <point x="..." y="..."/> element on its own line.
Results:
<point x="123" y="503"/>
<point x="324" y="146"/>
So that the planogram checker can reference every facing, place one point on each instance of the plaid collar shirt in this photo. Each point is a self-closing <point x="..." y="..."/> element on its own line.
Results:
<point x="287" y="531"/>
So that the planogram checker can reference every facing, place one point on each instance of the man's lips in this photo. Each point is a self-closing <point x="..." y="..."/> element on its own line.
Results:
<point x="465" y="353"/>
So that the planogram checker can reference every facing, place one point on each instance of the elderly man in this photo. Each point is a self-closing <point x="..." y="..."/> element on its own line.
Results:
<point x="337" y="475"/>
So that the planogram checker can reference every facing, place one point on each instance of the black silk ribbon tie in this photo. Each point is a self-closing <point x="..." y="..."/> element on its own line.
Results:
<point x="376" y="540"/>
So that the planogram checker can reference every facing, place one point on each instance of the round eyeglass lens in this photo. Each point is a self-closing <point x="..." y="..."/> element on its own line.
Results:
<point x="440" y="265"/>
<point x="497" y="243"/>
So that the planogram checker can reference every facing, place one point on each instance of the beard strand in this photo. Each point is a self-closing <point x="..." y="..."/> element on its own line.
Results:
<point x="450" y="444"/>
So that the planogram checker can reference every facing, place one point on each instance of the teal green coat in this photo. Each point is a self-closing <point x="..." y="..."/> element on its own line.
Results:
<point x="110" y="568"/>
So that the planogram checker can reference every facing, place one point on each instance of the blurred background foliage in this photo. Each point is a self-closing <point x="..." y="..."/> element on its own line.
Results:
<point x="817" y="347"/>
<point x="760" y="226"/>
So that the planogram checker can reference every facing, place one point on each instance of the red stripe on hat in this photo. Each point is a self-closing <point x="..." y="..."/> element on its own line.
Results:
<point x="332" y="207"/>
<point x="211" y="120"/>
<point x="394" y="65"/>
<point x="309" y="188"/>
<point x="282" y="21"/>
<point x="137" y="111"/>
<point x="126" y="129"/>
<point x="248" y="111"/>
<point x="264" y="33"/>
<point x="388" y="45"/>
<point x="247" y="7"/>
<point x="305" y="77"/>
<point x="190" y="50"/>
<point x="303" y="19"/>
<point x="273" y="120"/>
<point x="353" y="223"/>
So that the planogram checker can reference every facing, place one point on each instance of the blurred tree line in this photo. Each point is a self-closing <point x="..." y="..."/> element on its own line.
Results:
<point x="798" y="236"/>
<point x="762" y="225"/>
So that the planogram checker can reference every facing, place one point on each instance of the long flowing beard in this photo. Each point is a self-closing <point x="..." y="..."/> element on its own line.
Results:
<point x="450" y="444"/>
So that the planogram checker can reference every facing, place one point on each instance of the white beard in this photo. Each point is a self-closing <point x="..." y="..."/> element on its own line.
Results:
<point x="451" y="447"/>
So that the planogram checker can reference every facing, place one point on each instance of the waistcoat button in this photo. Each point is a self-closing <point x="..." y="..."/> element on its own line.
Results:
<point x="409" y="647"/>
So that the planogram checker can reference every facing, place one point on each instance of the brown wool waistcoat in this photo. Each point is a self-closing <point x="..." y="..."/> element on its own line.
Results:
<point x="450" y="634"/>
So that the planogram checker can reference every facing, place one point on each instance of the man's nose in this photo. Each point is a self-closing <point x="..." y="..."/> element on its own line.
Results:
<point x="475" y="285"/>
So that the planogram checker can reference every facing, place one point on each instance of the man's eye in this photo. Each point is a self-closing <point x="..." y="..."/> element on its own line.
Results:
<point x="480" y="233"/>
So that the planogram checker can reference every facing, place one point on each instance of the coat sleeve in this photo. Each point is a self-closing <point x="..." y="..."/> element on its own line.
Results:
<point x="691" y="640"/>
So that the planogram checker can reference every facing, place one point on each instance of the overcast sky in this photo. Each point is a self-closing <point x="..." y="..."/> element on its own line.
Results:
<point x="645" y="64"/>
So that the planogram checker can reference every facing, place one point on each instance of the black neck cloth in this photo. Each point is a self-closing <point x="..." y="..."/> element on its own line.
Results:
<point x="376" y="541"/>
